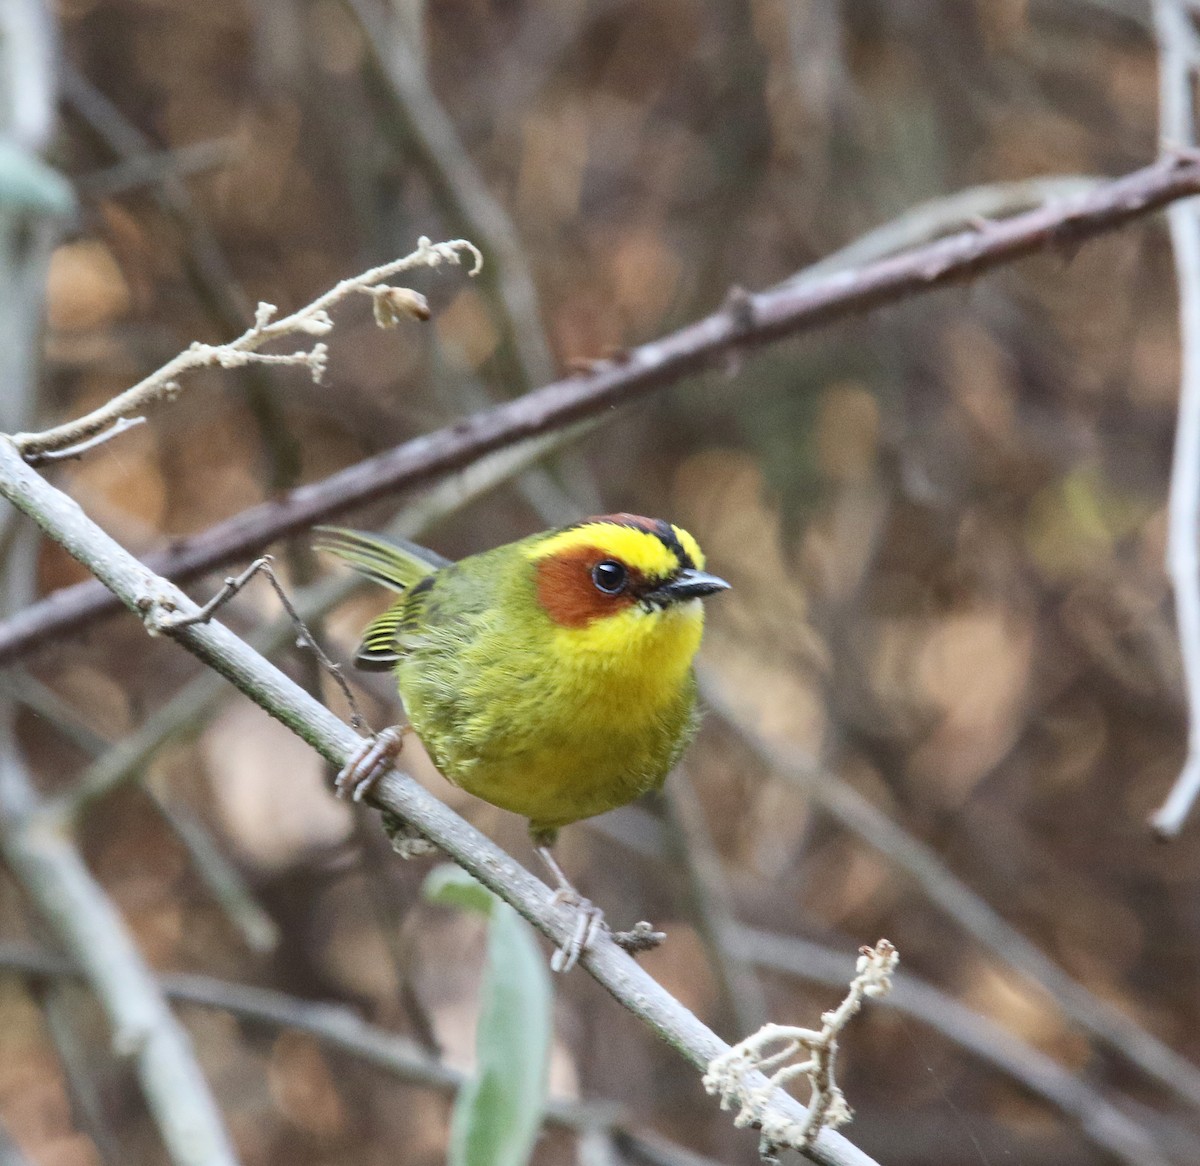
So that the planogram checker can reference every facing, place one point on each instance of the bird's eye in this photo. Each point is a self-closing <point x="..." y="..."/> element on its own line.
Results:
<point x="610" y="577"/>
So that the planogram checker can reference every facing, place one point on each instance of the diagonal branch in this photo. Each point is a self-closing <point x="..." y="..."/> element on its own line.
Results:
<point x="156" y="601"/>
<point x="752" y="321"/>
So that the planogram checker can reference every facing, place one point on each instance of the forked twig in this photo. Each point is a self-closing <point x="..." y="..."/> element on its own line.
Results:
<point x="311" y="320"/>
<point x="733" y="1076"/>
<point x="172" y="622"/>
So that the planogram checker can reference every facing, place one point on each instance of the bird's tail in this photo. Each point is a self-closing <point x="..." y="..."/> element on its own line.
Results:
<point x="394" y="563"/>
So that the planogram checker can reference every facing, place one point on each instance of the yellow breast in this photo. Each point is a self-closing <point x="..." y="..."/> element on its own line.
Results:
<point x="599" y="722"/>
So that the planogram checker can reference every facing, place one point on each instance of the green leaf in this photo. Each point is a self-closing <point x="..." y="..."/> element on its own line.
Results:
<point x="451" y="886"/>
<point x="27" y="183"/>
<point x="498" y="1113"/>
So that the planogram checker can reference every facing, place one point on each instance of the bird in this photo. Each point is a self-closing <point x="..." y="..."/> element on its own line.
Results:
<point x="551" y="676"/>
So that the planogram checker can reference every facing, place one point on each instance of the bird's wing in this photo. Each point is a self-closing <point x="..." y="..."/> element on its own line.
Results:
<point x="380" y="650"/>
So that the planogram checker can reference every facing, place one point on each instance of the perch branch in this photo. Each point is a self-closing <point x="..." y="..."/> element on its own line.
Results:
<point x="156" y="601"/>
<point x="760" y="319"/>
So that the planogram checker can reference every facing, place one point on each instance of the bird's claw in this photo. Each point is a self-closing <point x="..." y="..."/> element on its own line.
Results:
<point x="588" y="921"/>
<point x="368" y="763"/>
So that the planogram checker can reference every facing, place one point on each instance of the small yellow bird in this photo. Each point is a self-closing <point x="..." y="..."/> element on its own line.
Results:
<point x="550" y="676"/>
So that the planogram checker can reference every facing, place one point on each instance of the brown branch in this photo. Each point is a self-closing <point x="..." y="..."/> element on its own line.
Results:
<point x="759" y="319"/>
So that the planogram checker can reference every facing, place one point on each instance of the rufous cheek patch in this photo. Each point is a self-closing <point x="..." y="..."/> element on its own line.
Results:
<point x="566" y="592"/>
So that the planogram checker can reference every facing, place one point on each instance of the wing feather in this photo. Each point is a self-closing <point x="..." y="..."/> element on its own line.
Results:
<point x="393" y="563"/>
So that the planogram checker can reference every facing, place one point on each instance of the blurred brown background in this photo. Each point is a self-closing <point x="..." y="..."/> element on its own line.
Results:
<point x="944" y="524"/>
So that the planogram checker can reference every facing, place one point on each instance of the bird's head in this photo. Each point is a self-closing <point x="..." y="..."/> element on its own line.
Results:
<point x="619" y="580"/>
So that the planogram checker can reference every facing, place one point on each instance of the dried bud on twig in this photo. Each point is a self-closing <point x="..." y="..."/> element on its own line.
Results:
<point x="393" y="304"/>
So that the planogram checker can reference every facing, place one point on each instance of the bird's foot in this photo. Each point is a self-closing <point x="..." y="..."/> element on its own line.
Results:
<point x="588" y="921"/>
<point x="588" y="917"/>
<point x="368" y="763"/>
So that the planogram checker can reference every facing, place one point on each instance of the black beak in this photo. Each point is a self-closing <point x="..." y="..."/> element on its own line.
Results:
<point x="688" y="584"/>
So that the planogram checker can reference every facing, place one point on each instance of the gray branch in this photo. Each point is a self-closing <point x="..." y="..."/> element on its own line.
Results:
<point x="156" y="601"/>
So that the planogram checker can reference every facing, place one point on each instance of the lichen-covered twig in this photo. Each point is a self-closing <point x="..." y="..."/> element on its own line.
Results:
<point x="736" y="1075"/>
<point x="66" y="453"/>
<point x="311" y="320"/>
<point x="1101" y="1120"/>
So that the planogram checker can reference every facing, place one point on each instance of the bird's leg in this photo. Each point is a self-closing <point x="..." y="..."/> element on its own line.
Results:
<point x="369" y="762"/>
<point x="588" y="917"/>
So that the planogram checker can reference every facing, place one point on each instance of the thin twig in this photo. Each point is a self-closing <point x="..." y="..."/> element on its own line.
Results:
<point x="154" y="167"/>
<point x="235" y="584"/>
<point x="79" y="1071"/>
<point x="82" y="447"/>
<point x="224" y="881"/>
<point x="311" y="320"/>
<point x="204" y="262"/>
<point x="1177" y="42"/>
<point x="712" y="906"/>
<point x="938" y="217"/>
<point x="155" y="599"/>
<point x="460" y="189"/>
<point x="775" y="314"/>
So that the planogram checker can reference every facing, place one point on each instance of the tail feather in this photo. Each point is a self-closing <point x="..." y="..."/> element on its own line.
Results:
<point x="395" y="563"/>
